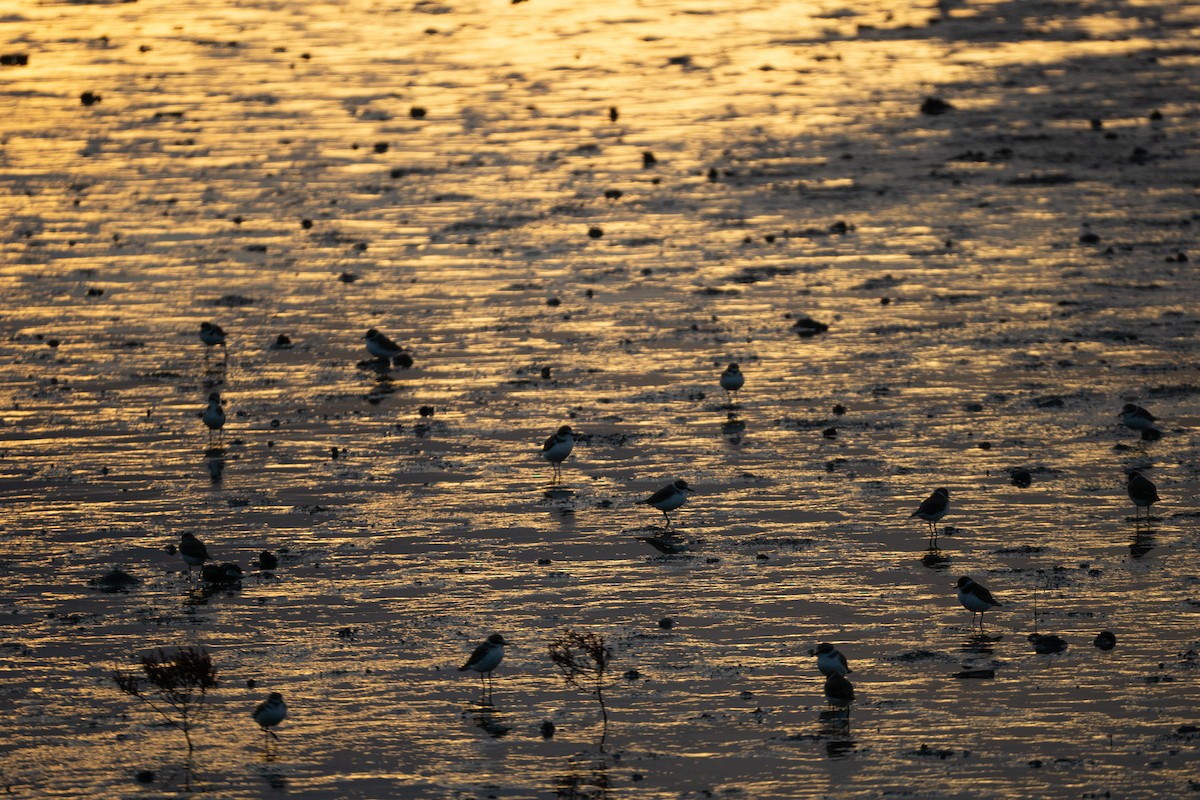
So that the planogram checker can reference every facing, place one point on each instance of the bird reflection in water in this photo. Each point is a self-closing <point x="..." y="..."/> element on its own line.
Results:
<point x="382" y="388"/>
<point x="214" y="462"/>
<point x="733" y="429"/>
<point x="561" y="504"/>
<point x="587" y="779"/>
<point x="835" y="719"/>
<point x="487" y="718"/>
<point x="980" y="643"/>
<point x="1143" y="541"/>
<point x="933" y="558"/>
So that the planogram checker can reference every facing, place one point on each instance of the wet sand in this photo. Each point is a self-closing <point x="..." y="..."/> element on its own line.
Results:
<point x="998" y="280"/>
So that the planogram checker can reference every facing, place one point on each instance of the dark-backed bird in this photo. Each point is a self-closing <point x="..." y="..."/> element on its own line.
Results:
<point x="932" y="509"/>
<point x="386" y="350"/>
<point x="192" y="550"/>
<point x="486" y="657"/>
<point x="669" y="498"/>
<point x="838" y="690"/>
<point x="1137" y="418"/>
<point x="214" y="414"/>
<point x="211" y="334"/>
<point x="1142" y="492"/>
<point x="556" y="448"/>
<point x="831" y="661"/>
<point x="975" y="598"/>
<point x="732" y="379"/>
<point x="270" y="713"/>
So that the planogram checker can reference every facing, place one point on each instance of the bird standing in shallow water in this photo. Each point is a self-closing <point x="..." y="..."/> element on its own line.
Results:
<point x="211" y="334"/>
<point x="386" y="350"/>
<point x="830" y="661"/>
<point x="214" y="415"/>
<point x="975" y="598"/>
<point x="1137" y="418"/>
<point x="932" y="509"/>
<point x="270" y="713"/>
<point x="732" y="379"/>
<point x="1142" y="492"/>
<point x="193" y="551"/>
<point x="557" y="447"/>
<point x="838" y="690"/>
<point x="669" y="498"/>
<point x="486" y="657"/>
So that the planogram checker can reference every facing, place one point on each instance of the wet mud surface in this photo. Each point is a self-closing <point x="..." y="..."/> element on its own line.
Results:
<point x="574" y="214"/>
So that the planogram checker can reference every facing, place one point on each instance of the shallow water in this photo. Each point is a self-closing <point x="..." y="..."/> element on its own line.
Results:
<point x="1006" y="342"/>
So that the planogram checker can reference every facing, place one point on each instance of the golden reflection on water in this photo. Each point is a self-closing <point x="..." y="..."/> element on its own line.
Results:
<point x="267" y="166"/>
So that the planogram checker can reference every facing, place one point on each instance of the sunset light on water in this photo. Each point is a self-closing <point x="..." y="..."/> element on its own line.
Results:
<point x="946" y="244"/>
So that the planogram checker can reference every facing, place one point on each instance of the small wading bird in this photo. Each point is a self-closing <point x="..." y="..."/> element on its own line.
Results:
<point x="830" y="661"/>
<point x="838" y="690"/>
<point x="212" y="334"/>
<point x="932" y="510"/>
<point x="1137" y="418"/>
<point x="270" y="713"/>
<point x="193" y="551"/>
<point x="975" y="598"/>
<point x="386" y="350"/>
<point x="557" y="447"/>
<point x="1142" y="492"/>
<point x="732" y="379"/>
<point x="669" y="498"/>
<point x="486" y="657"/>
<point x="214" y="414"/>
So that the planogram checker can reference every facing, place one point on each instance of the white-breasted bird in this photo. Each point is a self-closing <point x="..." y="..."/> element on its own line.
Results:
<point x="975" y="598"/>
<point x="556" y="448"/>
<point x="669" y="498"/>
<point x="732" y="379"/>
<point x="214" y="414"/>
<point x="932" y="509"/>
<point x="486" y="657"/>
<point x="386" y="350"/>
<point x="830" y="660"/>
<point x="270" y="713"/>
<point x="1137" y="418"/>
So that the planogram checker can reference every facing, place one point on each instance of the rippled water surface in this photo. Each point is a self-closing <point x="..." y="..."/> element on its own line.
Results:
<point x="579" y="213"/>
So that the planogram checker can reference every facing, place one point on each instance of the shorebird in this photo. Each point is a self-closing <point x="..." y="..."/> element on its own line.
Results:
<point x="214" y="415"/>
<point x="1142" y="492"/>
<point x="1137" y="418"/>
<point x="830" y="661"/>
<point x="386" y="350"/>
<point x="270" y="713"/>
<point x="193" y="551"/>
<point x="975" y="598"/>
<point x="557" y="447"/>
<point x="669" y="498"/>
<point x="486" y="657"/>
<point x="732" y="379"/>
<point x="932" y="510"/>
<point x="212" y="335"/>
<point x="838" y="690"/>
